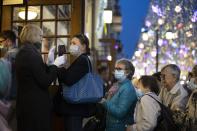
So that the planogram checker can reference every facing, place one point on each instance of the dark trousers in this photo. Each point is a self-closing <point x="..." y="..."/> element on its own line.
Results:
<point x="73" y="123"/>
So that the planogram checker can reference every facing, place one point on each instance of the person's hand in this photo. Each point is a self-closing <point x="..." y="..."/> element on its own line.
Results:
<point x="61" y="60"/>
<point x="102" y="100"/>
<point x="51" y="54"/>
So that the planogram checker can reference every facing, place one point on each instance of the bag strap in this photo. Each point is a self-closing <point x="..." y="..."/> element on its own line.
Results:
<point x="89" y="63"/>
<point x="156" y="100"/>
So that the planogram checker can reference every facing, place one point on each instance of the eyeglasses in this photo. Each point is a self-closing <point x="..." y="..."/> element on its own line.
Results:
<point x="118" y="68"/>
<point x="162" y="76"/>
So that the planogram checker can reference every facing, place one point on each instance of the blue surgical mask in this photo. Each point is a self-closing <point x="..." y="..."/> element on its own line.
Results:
<point x="120" y="75"/>
<point x="139" y="93"/>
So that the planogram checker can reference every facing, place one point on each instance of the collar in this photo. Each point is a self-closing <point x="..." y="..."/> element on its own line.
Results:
<point x="124" y="81"/>
<point x="175" y="89"/>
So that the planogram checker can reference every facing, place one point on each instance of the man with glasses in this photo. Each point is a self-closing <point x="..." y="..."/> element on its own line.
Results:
<point x="172" y="92"/>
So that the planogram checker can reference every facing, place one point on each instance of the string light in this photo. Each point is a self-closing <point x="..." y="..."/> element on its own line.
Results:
<point x="176" y="37"/>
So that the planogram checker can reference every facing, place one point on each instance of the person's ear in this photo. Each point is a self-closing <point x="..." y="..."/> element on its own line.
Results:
<point x="83" y="47"/>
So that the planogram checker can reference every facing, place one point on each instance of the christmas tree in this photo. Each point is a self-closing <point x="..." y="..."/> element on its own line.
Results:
<point x="169" y="36"/>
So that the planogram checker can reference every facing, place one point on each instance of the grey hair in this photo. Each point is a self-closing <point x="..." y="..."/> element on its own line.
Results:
<point x="175" y="70"/>
<point x="128" y="66"/>
<point x="31" y="33"/>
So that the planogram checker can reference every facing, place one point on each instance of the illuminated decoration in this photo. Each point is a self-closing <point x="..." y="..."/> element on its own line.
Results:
<point x="148" y="24"/>
<point x="194" y="17"/>
<point x="178" y="9"/>
<point x="174" y="22"/>
<point x="32" y="13"/>
<point x="169" y="35"/>
<point x="141" y="45"/>
<point x="109" y="58"/>
<point x="145" y="36"/>
<point x="160" y="21"/>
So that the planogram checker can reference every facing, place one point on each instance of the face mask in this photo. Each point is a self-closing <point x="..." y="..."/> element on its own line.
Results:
<point x="120" y="75"/>
<point x="139" y="93"/>
<point x="74" y="50"/>
<point x="191" y="84"/>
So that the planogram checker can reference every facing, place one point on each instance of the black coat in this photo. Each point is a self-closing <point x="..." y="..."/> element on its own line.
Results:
<point x="70" y="76"/>
<point x="33" y="100"/>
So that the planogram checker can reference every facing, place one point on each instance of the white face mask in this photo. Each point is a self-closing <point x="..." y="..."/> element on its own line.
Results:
<point x="74" y="50"/>
<point x="191" y="84"/>
<point x="120" y="75"/>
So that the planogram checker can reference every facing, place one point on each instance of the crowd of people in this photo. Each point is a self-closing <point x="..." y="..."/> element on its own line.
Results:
<point x="129" y="104"/>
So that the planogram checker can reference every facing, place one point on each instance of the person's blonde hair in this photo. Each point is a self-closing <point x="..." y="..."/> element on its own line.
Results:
<point x="31" y="33"/>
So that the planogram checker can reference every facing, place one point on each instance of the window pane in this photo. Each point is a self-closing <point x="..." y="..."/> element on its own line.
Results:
<point x="49" y="12"/>
<point x="63" y="27"/>
<point x="35" y="23"/>
<point x="33" y="12"/>
<point x="62" y="41"/>
<point x="49" y="28"/>
<point x="64" y="11"/>
<point x="19" y="11"/>
<point x="17" y="27"/>
<point x="47" y="43"/>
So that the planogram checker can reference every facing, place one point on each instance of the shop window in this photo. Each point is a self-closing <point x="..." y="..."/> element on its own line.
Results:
<point x="55" y="21"/>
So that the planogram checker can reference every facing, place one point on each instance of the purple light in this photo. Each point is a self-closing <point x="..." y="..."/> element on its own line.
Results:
<point x="116" y="46"/>
<point x="165" y="42"/>
<point x="194" y="17"/>
<point x="183" y="46"/>
<point x="148" y="23"/>
<point x="157" y="10"/>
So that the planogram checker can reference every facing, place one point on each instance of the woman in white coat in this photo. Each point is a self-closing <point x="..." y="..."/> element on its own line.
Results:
<point x="147" y="109"/>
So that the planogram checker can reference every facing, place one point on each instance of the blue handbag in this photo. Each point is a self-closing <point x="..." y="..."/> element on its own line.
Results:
<point x="88" y="89"/>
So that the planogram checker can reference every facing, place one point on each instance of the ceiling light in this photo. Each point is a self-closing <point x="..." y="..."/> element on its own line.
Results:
<point x="32" y="13"/>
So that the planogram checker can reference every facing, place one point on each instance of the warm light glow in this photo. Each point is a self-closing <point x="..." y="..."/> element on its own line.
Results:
<point x="178" y="9"/>
<point x="169" y="35"/>
<point x="160" y="21"/>
<point x="145" y="36"/>
<point x="189" y="33"/>
<point x="107" y="16"/>
<point x="153" y="53"/>
<point x="141" y="45"/>
<point x="137" y="53"/>
<point x="109" y="58"/>
<point x="32" y="13"/>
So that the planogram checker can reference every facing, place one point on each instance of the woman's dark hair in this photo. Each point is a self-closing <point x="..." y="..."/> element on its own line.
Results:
<point x="157" y="75"/>
<point x="150" y="82"/>
<point x="9" y="34"/>
<point x="84" y="41"/>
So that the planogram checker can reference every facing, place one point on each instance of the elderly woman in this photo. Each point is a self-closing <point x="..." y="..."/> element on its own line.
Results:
<point x="33" y="78"/>
<point x="120" y="107"/>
